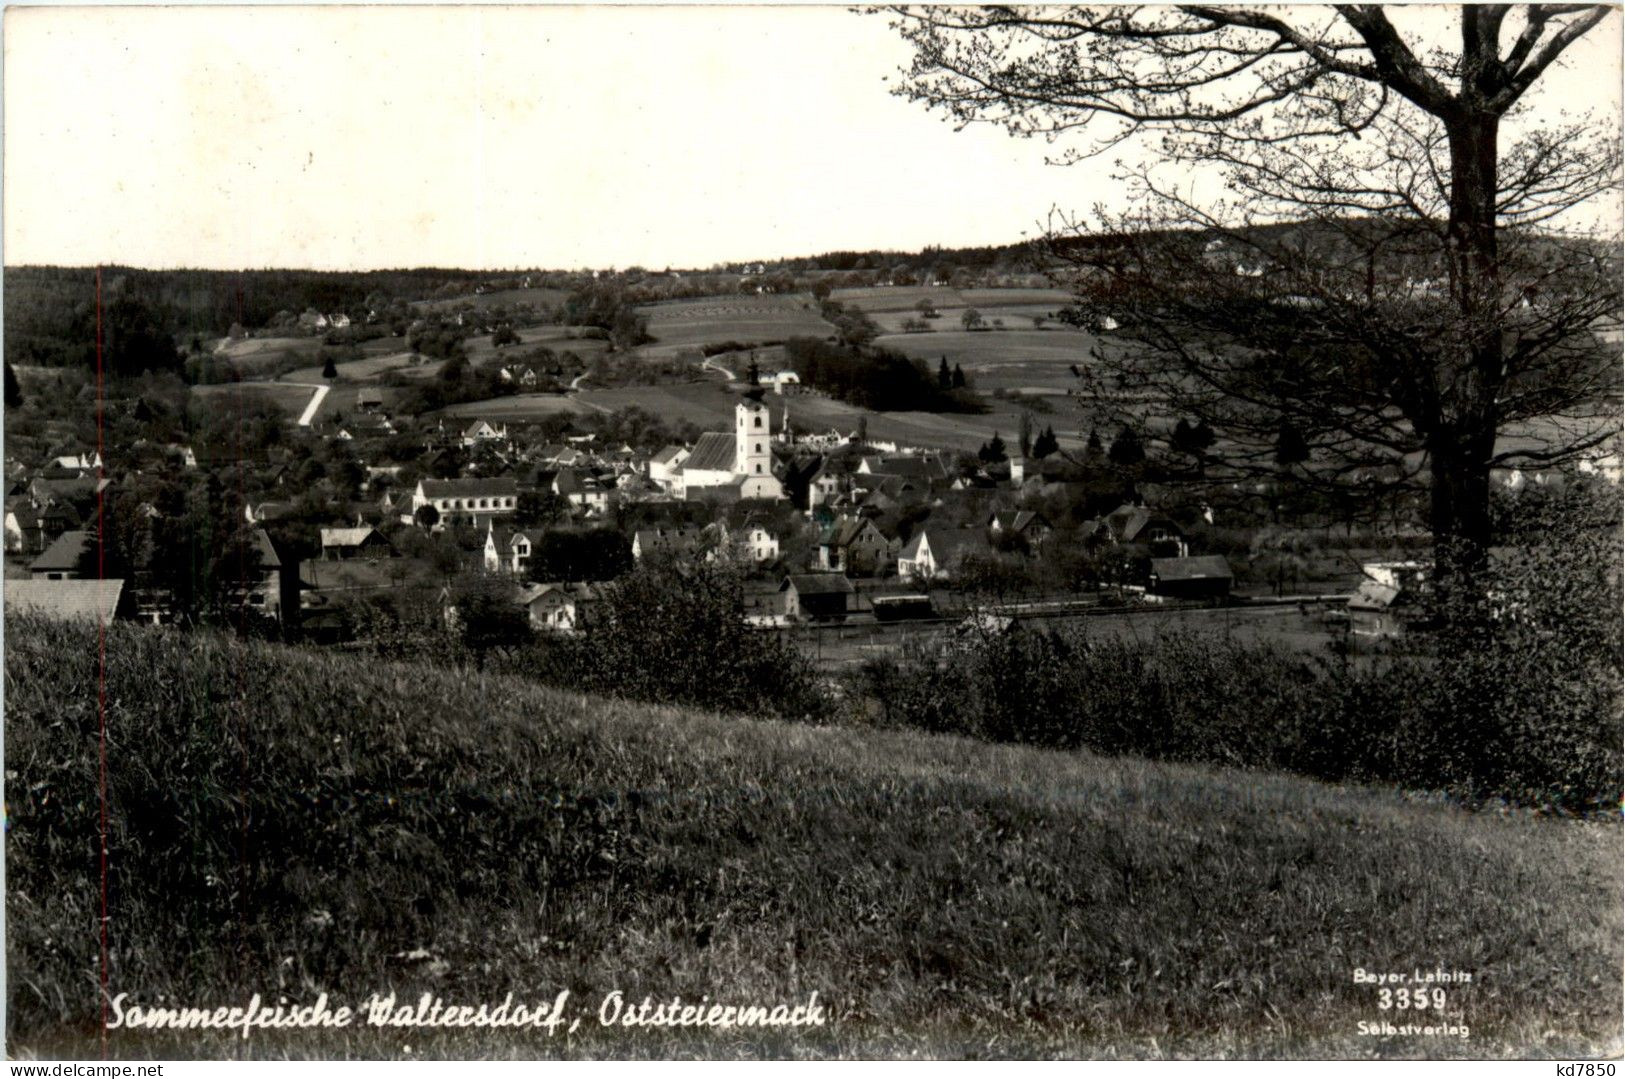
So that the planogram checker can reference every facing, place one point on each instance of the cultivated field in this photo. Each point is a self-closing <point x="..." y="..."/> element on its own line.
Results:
<point x="290" y="823"/>
<point x="900" y="298"/>
<point x="691" y="323"/>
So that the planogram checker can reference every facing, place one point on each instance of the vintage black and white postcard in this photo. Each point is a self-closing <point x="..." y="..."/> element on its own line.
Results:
<point x="813" y="533"/>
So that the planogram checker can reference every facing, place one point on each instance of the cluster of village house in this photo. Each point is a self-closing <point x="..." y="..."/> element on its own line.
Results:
<point x="750" y="463"/>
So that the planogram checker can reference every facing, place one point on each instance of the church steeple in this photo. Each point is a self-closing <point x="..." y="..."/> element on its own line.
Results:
<point x="752" y="433"/>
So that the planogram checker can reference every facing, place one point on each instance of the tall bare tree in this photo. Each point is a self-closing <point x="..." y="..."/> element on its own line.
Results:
<point x="1383" y="274"/>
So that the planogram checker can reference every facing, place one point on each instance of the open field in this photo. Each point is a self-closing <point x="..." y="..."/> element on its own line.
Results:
<point x="692" y="323"/>
<point x="251" y="356"/>
<point x="1033" y="361"/>
<point x="991" y="298"/>
<point x="710" y="404"/>
<point x="536" y="297"/>
<point x="521" y="407"/>
<point x="900" y="298"/>
<point x="557" y="338"/>
<point x="367" y="369"/>
<point x="289" y="823"/>
<point x="223" y="397"/>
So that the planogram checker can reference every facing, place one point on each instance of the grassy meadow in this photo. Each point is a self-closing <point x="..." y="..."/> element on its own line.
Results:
<point x="290" y="822"/>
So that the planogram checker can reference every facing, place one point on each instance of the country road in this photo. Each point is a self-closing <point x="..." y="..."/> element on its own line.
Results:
<point x="315" y="401"/>
<point x="712" y="364"/>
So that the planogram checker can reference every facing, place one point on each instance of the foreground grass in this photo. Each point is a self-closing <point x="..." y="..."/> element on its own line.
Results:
<point x="286" y="823"/>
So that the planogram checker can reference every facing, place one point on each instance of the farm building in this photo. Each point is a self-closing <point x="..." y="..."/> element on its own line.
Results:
<point x="364" y="541"/>
<point x="817" y="597"/>
<point x="1389" y="599"/>
<point x="763" y="603"/>
<point x="1195" y="577"/>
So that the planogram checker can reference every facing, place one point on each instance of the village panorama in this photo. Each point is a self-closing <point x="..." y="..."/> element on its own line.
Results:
<point x="1186" y="634"/>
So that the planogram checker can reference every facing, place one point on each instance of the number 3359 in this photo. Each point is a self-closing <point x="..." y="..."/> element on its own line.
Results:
<point x="1410" y="999"/>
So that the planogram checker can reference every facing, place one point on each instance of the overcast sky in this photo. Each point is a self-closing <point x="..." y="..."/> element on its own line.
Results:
<point x="367" y="137"/>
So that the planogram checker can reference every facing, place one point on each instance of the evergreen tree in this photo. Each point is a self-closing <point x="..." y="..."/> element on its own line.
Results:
<point x="1024" y="437"/>
<point x="1127" y="449"/>
<point x="959" y="377"/>
<point x="329" y="369"/>
<point x="945" y="377"/>
<point x="14" y="392"/>
<point x="1182" y="439"/>
<point x="1290" y="447"/>
<point x="1045" y="444"/>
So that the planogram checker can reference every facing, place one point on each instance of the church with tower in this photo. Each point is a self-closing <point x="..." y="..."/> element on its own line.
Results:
<point x="742" y="461"/>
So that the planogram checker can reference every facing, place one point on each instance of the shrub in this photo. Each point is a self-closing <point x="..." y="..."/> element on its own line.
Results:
<point x="675" y="633"/>
<point x="1503" y="720"/>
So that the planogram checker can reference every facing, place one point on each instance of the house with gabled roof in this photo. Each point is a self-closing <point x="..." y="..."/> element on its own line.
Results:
<point x="665" y="467"/>
<point x="482" y="431"/>
<point x="664" y="541"/>
<point x="60" y="561"/>
<point x="1025" y="526"/>
<point x="557" y="607"/>
<point x="1194" y="577"/>
<point x="938" y="552"/>
<point x="24" y="531"/>
<point x="927" y="469"/>
<point x="854" y="545"/>
<point x="510" y="551"/>
<point x="1139" y="529"/>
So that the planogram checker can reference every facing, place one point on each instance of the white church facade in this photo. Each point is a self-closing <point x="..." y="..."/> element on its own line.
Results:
<point x="742" y="461"/>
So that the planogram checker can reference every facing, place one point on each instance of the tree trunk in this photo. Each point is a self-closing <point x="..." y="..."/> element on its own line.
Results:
<point x="1462" y="445"/>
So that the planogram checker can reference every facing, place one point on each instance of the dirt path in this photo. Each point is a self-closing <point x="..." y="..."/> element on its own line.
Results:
<point x="315" y="401"/>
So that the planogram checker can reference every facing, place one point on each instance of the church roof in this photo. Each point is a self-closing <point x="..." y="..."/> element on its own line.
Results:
<point x="713" y="452"/>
